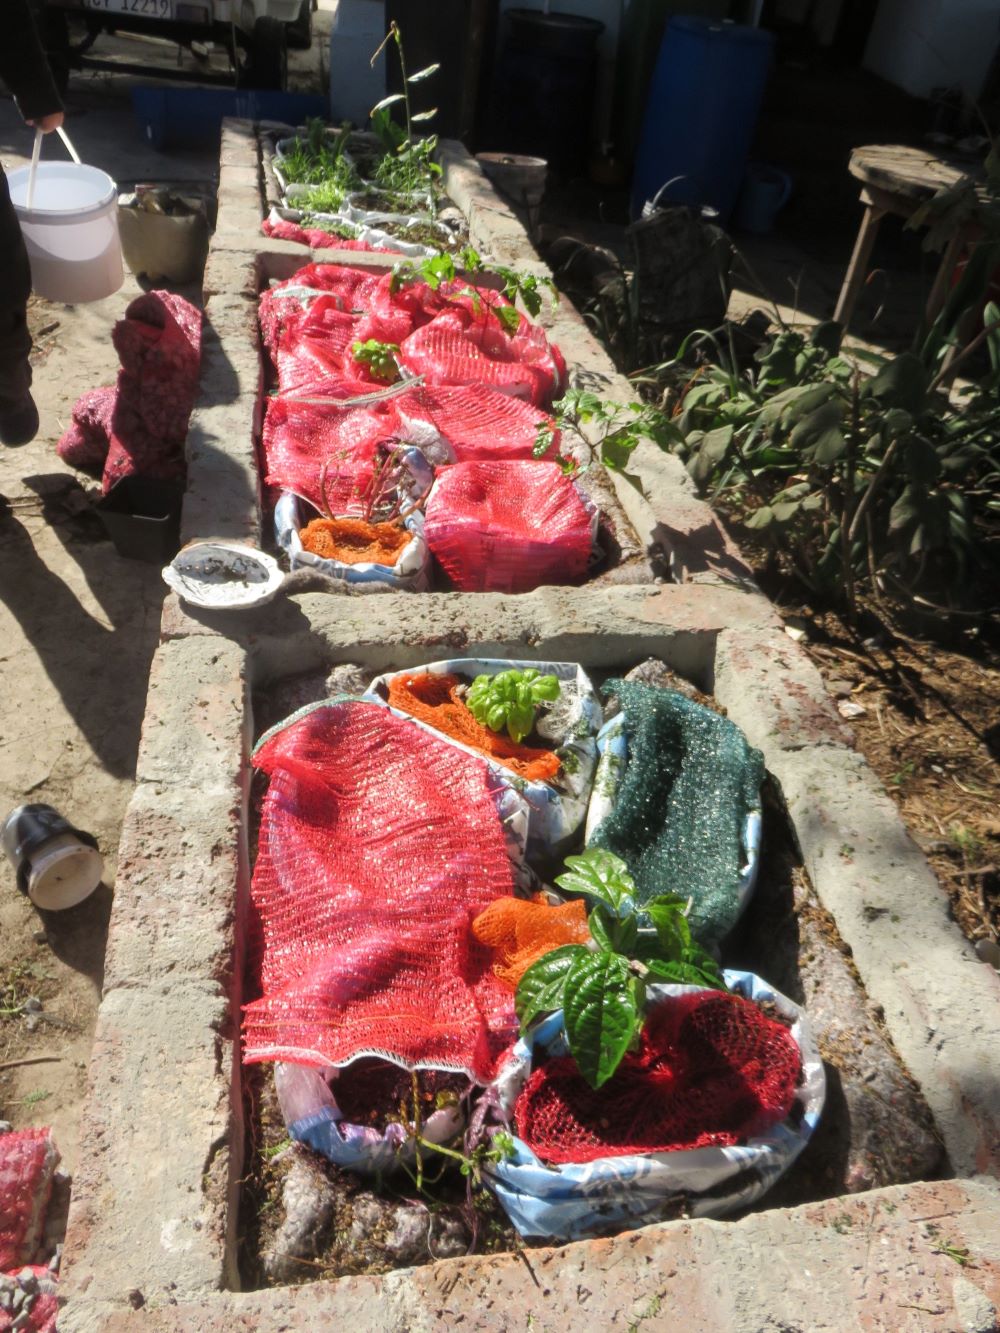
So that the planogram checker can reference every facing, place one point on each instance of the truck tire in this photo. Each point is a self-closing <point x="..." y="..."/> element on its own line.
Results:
<point x="300" y="34"/>
<point x="269" y="55"/>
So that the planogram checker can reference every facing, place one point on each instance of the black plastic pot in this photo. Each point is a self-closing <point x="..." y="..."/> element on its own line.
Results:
<point x="544" y="87"/>
<point x="143" y="518"/>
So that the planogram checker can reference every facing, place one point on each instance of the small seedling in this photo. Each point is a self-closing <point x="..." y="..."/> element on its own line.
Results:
<point x="510" y="699"/>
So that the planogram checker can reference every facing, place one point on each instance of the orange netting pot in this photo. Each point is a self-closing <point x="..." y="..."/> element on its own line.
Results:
<point x="353" y="541"/>
<point x="520" y="932"/>
<point x="434" y="699"/>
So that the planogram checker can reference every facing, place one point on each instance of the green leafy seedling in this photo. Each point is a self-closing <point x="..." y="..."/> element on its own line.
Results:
<point x="602" y="990"/>
<point x="510" y="699"/>
<point x="379" y="357"/>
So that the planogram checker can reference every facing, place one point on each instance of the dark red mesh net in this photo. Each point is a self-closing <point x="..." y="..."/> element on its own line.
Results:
<point x="140" y="426"/>
<point x="478" y="423"/>
<point x="507" y="527"/>
<point x="301" y="438"/>
<point x="378" y="845"/>
<point x="711" y="1070"/>
<point x="28" y="1158"/>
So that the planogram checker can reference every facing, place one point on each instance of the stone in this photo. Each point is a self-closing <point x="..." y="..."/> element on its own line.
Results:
<point x="308" y="1199"/>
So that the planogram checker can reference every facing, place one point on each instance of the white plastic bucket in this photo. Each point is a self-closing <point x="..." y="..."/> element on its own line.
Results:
<point x="70" y="230"/>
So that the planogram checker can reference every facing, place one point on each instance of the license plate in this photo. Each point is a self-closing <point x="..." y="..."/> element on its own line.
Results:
<point x="149" y="9"/>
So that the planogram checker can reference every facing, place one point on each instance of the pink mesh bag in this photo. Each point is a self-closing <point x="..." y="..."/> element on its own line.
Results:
<point x="378" y="846"/>
<point x="301" y="439"/>
<point x="477" y="423"/>
<point x="508" y="527"/>
<point x="28" y="1158"/>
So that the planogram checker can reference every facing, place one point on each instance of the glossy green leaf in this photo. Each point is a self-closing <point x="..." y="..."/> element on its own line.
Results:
<point x="601" y="875"/>
<point x="601" y="1013"/>
<point x="540" y="990"/>
<point x="423" y="74"/>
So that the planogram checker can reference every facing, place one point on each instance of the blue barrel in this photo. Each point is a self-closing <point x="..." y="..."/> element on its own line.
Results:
<point x="702" y="112"/>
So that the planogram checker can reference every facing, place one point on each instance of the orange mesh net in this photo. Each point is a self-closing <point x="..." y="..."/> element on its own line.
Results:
<point x="352" y="541"/>
<point x="434" y="700"/>
<point x="711" y="1070"/>
<point x="520" y="932"/>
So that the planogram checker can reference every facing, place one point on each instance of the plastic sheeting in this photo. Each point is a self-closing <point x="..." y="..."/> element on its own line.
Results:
<point x="610" y="1194"/>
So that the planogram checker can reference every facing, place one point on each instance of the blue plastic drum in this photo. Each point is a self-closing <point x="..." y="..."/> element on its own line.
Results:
<point x="702" y="113"/>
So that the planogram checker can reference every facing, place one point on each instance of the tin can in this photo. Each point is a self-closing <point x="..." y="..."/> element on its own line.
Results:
<point x="57" y="865"/>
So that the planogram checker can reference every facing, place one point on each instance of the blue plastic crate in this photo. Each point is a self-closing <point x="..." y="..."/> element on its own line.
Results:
<point x="192" y="117"/>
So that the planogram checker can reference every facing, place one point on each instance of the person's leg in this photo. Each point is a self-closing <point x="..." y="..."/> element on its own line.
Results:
<point x="18" y="416"/>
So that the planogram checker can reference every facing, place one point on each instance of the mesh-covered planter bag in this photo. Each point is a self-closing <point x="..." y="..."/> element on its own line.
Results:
<point x="720" y="1099"/>
<point x="475" y="423"/>
<point x="28" y="1159"/>
<point x="552" y="771"/>
<point x="378" y="845"/>
<point x="677" y="797"/>
<point x="509" y="526"/>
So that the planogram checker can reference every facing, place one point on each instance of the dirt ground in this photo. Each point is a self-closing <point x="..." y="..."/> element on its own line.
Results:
<point x="78" y="627"/>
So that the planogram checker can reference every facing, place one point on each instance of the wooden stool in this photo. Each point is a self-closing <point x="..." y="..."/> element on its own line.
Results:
<point x="896" y="179"/>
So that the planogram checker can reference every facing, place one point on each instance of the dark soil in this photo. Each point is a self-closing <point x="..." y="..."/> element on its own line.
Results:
<point x="373" y="1092"/>
<point x="930" y="730"/>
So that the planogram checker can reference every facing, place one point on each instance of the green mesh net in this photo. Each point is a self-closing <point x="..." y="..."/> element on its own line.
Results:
<point x="689" y="781"/>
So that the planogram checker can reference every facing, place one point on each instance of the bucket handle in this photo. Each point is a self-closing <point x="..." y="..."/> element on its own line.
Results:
<point x="36" y="151"/>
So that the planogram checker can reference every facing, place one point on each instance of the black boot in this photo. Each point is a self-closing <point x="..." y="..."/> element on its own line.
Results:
<point x="19" y="424"/>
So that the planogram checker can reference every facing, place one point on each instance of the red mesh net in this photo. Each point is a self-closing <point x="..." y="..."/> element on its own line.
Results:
<point x="300" y="438"/>
<point x="507" y="527"/>
<point x="41" y="1316"/>
<point x="378" y="845"/>
<point x="28" y="1157"/>
<point x="451" y="350"/>
<point x="478" y="423"/>
<point x="314" y="237"/>
<point x="520" y="932"/>
<point x="140" y="426"/>
<point x="434" y="699"/>
<point x="711" y="1070"/>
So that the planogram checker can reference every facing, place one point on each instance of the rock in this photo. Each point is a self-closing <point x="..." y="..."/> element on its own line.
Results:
<point x="346" y="678"/>
<point x="32" y="1005"/>
<point x="848" y="708"/>
<point x="308" y="1199"/>
<point x="988" y="951"/>
<point x="31" y="1022"/>
<point x="840" y="689"/>
<point x="450" y="1237"/>
<point x="6" y="1127"/>
<point x="27" y="1281"/>
<point x="655" y="672"/>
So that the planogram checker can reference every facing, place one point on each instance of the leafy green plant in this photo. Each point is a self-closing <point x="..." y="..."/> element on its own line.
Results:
<point x="379" y="357"/>
<point x="618" y="427"/>
<point x="602" y="991"/>
<point x="510" y="699"/>
<point x="408" y="163"/>
<point x="441" y="270"/>
<point x="850" y="476"/>
<point x="319" y="158"/>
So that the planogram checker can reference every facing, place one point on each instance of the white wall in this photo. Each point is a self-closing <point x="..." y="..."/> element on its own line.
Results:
<point x="924" y="44"/>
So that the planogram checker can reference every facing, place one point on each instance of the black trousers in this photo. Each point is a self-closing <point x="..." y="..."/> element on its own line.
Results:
<point x="15" y="288"/>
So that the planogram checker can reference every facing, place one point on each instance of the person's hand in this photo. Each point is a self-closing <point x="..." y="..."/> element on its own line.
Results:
<point x="48" y="123"/>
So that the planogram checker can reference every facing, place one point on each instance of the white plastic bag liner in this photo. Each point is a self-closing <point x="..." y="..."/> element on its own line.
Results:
<point x="612" y="745"/>
<point x="280" y="150"/>
<point x="569" y="726"/>
<point x="360" y="231"/>
<point x="572" y="1202"/>
<point x="410" y="573"/>
<point x="313" y="1117"/>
